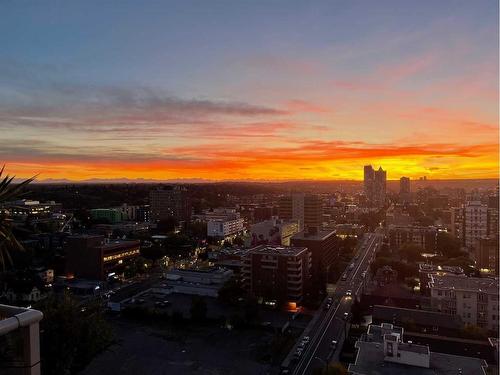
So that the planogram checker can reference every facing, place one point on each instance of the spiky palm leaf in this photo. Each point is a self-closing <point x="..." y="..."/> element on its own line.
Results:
<point x="8" y="192"/>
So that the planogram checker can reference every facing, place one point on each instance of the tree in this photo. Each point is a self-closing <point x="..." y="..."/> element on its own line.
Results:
<point x="167" y="225"/>
<point x="411" y="252"/>
<point x="238" y="241"/>
<point x="251" y="310"/>
<point x="332" y="369"/>
<point x="231" y="291"/>
<point x="8" y="242"/>
<point x="198" y="309"/>
<point x="448" y="245"/>
<point x="153" y="252"/>
<point x="474" y="332"/>
<point x="71" y="335"/>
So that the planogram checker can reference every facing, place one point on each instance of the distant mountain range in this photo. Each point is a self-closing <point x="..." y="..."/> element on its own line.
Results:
<point x="391" y="184"/>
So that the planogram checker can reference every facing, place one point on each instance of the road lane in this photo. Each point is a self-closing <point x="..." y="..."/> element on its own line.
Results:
<point x="332" y="326"/>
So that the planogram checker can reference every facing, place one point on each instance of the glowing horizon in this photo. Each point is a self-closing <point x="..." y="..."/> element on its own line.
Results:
<point x="228" y="91"/>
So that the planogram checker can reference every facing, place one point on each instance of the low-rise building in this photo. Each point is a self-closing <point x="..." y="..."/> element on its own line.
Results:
<point x="111" y="215"/>
<point x="24" y="207"/>
<point x="382" y="351"/>
<point x="474" y="299"/>
<point x="277" y="273"/>
<point x="223" y="223"/>
<point x="138" y="213"/>
<point x="94" y="257"/>
<point x="198" y="281"/>
<point x="421" y="321"/>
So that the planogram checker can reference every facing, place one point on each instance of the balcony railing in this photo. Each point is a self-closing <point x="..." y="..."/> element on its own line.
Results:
<point x="19" y="341"/>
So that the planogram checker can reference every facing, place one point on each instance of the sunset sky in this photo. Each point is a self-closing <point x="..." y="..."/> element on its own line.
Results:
<point x="249" y="90"/>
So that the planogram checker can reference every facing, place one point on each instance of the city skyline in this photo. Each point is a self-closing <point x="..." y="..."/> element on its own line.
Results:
<point x="233" y="91"/>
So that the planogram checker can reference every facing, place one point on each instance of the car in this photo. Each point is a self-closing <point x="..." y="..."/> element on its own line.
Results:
<point x="329" y="300"/>
<point x="333" y="344"/>
<point x="327" y="306"/>
<point x="351" y="266"/>
<point x="356" y="257"/>
<point x="166" y="303"/>
<point x="346" y="315"/>
<point x="344" y="277"/>
<point x="298" y="352"/>
<point x="348" y="293"/>
<point x="306" y="339"/>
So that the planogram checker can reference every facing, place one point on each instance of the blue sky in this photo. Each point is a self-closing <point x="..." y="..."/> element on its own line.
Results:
<point x="334" y="71"/>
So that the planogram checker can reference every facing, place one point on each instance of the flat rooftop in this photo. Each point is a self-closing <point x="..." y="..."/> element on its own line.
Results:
<point x="277" y="250"/>
<point x="370" y="361"/>
<point x="117" y="243"/>
<point x="433" y="268"/>
<point x="320" y="235"/>
<point x="206" y="270"/>
<point x="485" y="285"/>
<point x="400" y="315"/>
<point x="377" y="332"/>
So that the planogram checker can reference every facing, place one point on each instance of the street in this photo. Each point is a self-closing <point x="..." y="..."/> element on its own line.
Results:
<point x="332" y="324"/>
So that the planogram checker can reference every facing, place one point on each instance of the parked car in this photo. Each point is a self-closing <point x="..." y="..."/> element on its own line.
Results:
<point x="348" y="293"/>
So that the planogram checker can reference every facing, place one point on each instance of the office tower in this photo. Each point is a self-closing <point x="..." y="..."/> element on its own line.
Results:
<point x="369" y="177"/>
<point x="169" y="201"/>
<point x="375" y="185"/>
<point x="306" y="209"/>
<point x="404" y="189"/>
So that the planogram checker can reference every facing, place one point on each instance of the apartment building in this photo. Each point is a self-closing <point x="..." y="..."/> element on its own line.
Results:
<point x="475" y="224"/>
<point x="425" y="271"/>
<point x="277" y="274"/>
<point x="424" y="237"/>
<point x="223" y="223"/>
<point x="322" y="244"/>
<point x="474" y="299"/>
<point x="487" y="255"/>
